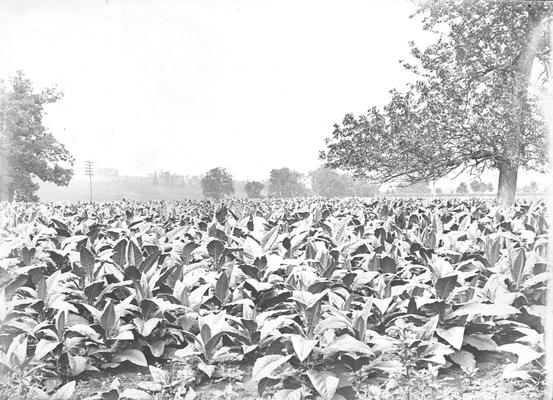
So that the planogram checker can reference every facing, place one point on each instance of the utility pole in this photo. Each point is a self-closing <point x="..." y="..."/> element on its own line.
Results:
<point x="89" y="171"/>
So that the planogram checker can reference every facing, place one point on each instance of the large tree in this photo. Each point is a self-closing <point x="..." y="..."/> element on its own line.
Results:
<point x="474" y="105"/>
<point x="217" y="183"/>
<point x="27" y="149"/>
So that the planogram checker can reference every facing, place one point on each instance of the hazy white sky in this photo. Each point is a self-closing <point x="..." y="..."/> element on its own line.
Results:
<point x="186" y="86"/>
<point x="189" y="85"/>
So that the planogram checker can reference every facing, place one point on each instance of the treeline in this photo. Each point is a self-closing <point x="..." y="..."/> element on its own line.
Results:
<point x="284" y="182"/>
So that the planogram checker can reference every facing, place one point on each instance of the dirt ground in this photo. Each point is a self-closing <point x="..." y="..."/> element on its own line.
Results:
<point x="486" y="385"/>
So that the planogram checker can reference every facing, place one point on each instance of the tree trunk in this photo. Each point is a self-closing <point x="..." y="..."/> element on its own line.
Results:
<point x="508" y="169"/>
<point x="507" y="185"/>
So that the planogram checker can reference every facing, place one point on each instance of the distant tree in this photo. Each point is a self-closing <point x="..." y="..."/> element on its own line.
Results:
<point x="489" y="187"/>
<point x="363" y="188"/>
<point x="478" y="186"/>
<point x="476" y="104"/>
<point x="155" y="179"/>
<point x="329" y="183"/>
<point x="217" y="183"/>
<point x="27" y="149"/>
<point x="284" y="182"/>
<point x="462" y="188"/>
<point x="415" y="189"/>
<point x="532" y="188"/>
<point x="439" y="191"/>
<point x="253" y="188"/>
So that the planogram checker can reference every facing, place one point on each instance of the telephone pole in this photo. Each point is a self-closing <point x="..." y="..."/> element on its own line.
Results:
<point x="89" y="170"/>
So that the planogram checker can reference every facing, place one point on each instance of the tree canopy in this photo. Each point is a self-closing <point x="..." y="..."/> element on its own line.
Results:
<point x="329" y="183"/>
<point x="217" y="183"/>
<point x="253" y="189"/>
<point x="285" y="182"/>
<point x="475" y="103"/>
<point x="27" y="149"/>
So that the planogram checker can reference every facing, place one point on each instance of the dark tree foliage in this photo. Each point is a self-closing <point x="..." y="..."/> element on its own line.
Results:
<point x="475" y="104"/>
<point x="253" y="189"/>
<point x="217" y="183"/>
<point x="27" y="149"/>
<point x="284" y="182"/>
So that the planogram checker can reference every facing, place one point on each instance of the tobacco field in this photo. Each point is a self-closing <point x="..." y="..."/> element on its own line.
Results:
<point x="303" y="298"/>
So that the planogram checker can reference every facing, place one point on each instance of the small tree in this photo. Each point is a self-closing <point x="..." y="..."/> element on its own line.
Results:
<point x="462" y="188"/>
<point x="286" y="183"/>
<point x="27" y="149"/>
<point x="253" y="188"/>
<point x="477" y="186"/>
<point x="532" y="188"/>
<point x="217" y="183"/>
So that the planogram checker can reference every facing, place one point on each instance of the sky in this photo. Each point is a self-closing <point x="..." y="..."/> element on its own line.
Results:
<point x="186" y="86"/>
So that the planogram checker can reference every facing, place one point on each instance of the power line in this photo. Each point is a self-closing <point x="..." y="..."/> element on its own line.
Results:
<point x="89" y="170"/>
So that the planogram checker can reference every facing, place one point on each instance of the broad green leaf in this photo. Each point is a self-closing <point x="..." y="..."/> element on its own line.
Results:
<point x="87" y="261"/>
<point x="65" y="392"/>
<point x="477" y="308"/>
<point x="77" y="364"/>
<point x="339" y="230"/>
<point x="480" y="342"/>
<point x="444" y="286"/>
<point x="149" y="261"/>
<point x="136" y="394"/>
<point x="207" y="369"/>
<point x="454" y="336"/>
<point x="348" y="344"/>
<point x="44" y="347"/>
<point x="41" y="289"/>
<point x="517" y="266"/>
<point x="265" y="366"/>
<point x="269" y="239"/>
<point x="187" y="252"/>
<point x="158" y="375"/>
<point x="426" y="332"/>
<point x="108" y="320"/>
<point x="132" y="355"/>
<point x="302" y="346"/>
<point x="388" y="366"/>
<point x="119" y="253"/>
<point x="513" y="371"/>
<point x="252" y="250"/>
<point x="324" y="382"/>
<point x="135" y="256"/>
<point x="525" y="353"/>
<point x="222" y="286"/>
<point x="215" y="248"/>
<point x="464" y="359"/>
<point x="288" y="394"/>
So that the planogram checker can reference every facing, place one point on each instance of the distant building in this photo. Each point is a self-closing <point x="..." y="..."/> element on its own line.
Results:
<point x="166" y="179"/>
